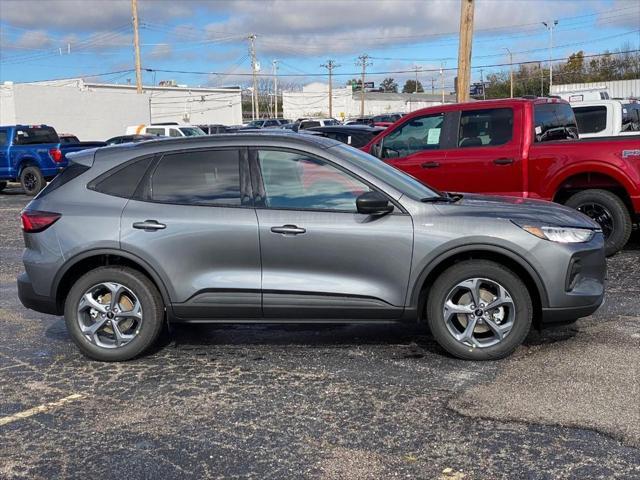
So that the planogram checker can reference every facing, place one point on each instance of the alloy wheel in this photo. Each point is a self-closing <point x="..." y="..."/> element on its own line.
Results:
<point x="479" y="312"/>
<point x="600" y="214"/>
<point x="109" y="315"/>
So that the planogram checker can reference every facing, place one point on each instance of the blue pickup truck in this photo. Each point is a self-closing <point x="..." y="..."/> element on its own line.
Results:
<point x="33" y="155"/>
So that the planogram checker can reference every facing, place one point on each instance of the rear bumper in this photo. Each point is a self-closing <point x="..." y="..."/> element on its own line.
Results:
<point x="30" y="299"/>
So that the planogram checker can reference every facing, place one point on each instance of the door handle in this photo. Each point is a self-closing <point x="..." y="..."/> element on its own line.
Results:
<point x="430" y="165"/>
<point x="503" y="161"/>
<point x="288" y="230"/>
<point x="149" y="225"/>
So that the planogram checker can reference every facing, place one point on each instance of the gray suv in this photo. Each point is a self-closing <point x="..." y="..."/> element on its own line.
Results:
<point x="279" y="227"/>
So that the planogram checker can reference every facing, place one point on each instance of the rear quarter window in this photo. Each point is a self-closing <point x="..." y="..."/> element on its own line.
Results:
<point x="123" y="180"/>
<point x="554" y="121"/>
<point x="591" y="119"/>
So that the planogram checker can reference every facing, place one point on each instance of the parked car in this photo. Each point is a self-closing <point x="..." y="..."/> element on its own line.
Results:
<point x="132" y="138"/>
<point x="264" y="123"/>
<point x="169" y="129"/>
<point x="213" y="129"/>
<point x="607" y="118"/>
<point x="360" y="121"/>
<point x="355" y="135"/>
<point x="33" y="155"/>
<point x="68" y="138"/>
<point x="174" y="230"/>
<point x="317" y="122"/>
<point x="386" y="119"/>
<point x="523" y="147"/>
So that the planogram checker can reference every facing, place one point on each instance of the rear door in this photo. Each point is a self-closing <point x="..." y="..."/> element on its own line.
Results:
<point x="486" y="157"/>
<point x="320" y="258"/>
<point x="192" y="220"/>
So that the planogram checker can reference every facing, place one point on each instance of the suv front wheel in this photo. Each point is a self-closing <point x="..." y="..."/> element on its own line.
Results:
<point x="114" y="313"/>
<point x="479" y="310"/>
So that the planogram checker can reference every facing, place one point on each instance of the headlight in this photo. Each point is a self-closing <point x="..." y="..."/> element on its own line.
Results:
<point x="560" y="234"/>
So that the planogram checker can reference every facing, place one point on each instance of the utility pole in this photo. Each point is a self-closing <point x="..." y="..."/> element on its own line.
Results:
<point x="484" y="96"/>
<point x="330" y="65"/>
<point x="464" y="49"/>
<point x="255" y="109"/>
<point x="275" y="86"/>
<point x="550" y="26"/>
<point x="442" y="80"/>
<point x="417" y="68"/>
<point x="510" y="71"/>
<point x="433" y="85"/>
<point x="363" y="62"/>
<point x="136" y="45"/>
<point x="541" y="80"/>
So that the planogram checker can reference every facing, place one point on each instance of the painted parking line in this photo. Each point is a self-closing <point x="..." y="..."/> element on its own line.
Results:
<point x="39" y="409"/>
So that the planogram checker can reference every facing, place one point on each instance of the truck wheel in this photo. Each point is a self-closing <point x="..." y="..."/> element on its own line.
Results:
<point x="32" y="180"/>
<point x="3" y="185"/>
<point x="479" y="310"/>
<point x="114" y="314"/>
<point x="609" y="211"/>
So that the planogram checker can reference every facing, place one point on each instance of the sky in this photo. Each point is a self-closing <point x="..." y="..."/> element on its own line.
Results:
<point x="208" y="40"/>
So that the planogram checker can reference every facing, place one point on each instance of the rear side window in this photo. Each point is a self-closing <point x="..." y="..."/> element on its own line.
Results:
<point x="591" y="119"/>
<point x="198" y="178"/>
<point x="123" y="180"/>
<point x="478" y="128"/>
<point x="304" y="125"/>
<point x="155" y="131"/>
<point x="35" y="135"/>
<point x="72" y="171"/>
<point x="554" y="121"/>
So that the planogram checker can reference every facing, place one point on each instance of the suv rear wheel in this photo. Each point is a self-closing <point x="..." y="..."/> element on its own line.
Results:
<point x="479" y="310"/>
<point x="114" y="313"/>
<point x="609" y="211"/>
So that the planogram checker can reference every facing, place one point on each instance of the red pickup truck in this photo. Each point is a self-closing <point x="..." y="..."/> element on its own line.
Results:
<point x="525" y="147"/>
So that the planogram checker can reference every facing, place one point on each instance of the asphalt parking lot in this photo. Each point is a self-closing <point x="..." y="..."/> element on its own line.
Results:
<point x="328" y="402"/>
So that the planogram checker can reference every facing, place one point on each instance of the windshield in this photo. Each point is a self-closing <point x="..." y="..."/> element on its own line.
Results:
<point x="192" y="131"/>
<point x="35" y="135"/>
<point x="399" y="180"/>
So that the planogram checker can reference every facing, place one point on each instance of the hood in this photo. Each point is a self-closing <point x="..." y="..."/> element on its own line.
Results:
<point x="522" y="211"/>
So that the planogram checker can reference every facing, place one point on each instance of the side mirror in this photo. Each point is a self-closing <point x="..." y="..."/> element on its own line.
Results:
<point x="373" y="203"/>
<point x="376" y="150"/>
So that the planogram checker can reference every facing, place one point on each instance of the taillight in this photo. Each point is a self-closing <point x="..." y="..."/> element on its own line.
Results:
<point x="36" y="221"/>
<point x="56" y="155"/>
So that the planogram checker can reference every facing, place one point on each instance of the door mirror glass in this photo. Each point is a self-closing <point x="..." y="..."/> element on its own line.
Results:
<point x="376" y="150"/>
<point x="373" y="203"/>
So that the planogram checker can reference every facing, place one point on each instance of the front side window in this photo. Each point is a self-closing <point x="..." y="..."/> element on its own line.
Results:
<point x="492" y="126"/>
<point x="295" y="180"/>
<point x="198" y="178"/>
<point x="591" y="119"/>
<point x="416" y="135"/>
<point x="554" y="121"/>
<point x="4" y="139"/>
<point x="630" y="117"/>
<point x="173" y="132"/>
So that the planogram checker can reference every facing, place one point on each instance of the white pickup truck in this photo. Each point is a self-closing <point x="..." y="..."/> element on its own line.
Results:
<point x="607" y="118"/>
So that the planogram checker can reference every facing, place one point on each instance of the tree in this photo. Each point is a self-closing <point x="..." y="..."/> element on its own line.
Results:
<point x="410" y="87"/>
<point x="389" y="85"/>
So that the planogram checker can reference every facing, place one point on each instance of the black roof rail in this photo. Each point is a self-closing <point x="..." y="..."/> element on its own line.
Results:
<point x="166" y="123"/>
<point x="530" y="97"/>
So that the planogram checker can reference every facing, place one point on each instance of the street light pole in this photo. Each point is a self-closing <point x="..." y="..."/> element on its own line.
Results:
<point x="510" y="71"/>
<point x="550" y="26"/>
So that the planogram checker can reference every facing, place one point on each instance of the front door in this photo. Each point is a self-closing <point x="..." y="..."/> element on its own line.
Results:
<point x="321" y="259"/>
<point x="193" y="222"/>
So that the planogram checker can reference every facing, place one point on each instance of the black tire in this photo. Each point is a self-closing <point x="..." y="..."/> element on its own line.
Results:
<point x="3" y="185"/>
<point x="485" y="269"/>
<point x="616" y="222"/>
<point x="32" y="180"/>
<point x="152" y="309"/>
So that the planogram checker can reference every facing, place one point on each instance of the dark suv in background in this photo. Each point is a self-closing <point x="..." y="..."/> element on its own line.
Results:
<point x="294" y="228"/>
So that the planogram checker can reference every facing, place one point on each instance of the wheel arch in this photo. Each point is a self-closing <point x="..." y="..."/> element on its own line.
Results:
<point x="84" y="262"/>
<point x="23" y="162"/>
<point x="505" y="257"/>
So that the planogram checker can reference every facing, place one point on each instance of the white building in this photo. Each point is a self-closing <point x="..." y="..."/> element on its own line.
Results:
<point x="615" y="89"/>
<point x="313" y="101"/>
<point x="95" y="111"/>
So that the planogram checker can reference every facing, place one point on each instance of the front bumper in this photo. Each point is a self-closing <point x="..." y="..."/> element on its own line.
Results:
<point x="30" y="299"/>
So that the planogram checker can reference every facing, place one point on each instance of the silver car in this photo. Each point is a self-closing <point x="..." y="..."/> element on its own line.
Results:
<point x="278" y="227"/>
